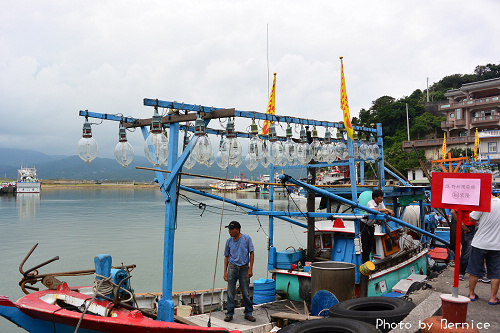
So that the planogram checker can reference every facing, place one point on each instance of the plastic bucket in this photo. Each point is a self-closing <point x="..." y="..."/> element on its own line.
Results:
<point x="336" y="277"/>
<point x="183" y="310"/>
<point x="367" y="268"/>
<point x="264" y="291"/>
<point x="454" y="308"/>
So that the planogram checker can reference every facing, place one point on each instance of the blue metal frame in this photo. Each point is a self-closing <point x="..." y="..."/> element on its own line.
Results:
<point x="168" y="186"/>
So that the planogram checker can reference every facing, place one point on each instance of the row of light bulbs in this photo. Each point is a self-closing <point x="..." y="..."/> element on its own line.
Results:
<point x="263" y="151"/>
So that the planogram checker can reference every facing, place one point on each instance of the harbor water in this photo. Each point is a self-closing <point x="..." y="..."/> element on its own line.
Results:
<point x="128" y="223"/>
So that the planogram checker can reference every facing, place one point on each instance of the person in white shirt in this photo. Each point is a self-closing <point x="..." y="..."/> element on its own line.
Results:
<point x="367" y="228"/>
<point x="485" y="248"/>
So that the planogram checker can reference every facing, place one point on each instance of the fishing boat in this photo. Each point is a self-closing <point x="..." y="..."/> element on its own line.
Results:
<point x="333" y="236"/>
<point x="223" y="186"/>
<point x="27" y="181"/>
<point x="8" y="188"/>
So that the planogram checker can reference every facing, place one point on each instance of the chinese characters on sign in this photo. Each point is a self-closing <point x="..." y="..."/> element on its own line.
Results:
<point x="461" y="191"/>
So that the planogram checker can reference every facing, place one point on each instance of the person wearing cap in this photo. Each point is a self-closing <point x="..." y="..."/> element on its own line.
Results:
<point x="238" y="265"/>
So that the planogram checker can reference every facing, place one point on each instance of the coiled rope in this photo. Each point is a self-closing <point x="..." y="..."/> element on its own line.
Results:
<point x="102" y="287"/>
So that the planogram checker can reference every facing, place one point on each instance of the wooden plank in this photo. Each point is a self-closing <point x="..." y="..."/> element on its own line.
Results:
<point x="292" y="316"/>
<point x="178" y="118"/>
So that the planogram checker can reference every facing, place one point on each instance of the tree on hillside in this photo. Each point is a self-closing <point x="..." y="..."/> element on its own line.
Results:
<point x="490" y="71"/>
<point x="425" y="124"/>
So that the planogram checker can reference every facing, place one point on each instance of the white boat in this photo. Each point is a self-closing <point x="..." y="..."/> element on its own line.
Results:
<point x="27" y="181"/>
<point x="234" y="187"/>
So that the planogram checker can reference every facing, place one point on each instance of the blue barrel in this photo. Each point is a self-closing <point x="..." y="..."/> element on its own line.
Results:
<point x="263" y="291"/>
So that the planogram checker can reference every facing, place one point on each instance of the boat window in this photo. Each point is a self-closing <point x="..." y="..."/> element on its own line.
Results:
<point x="317" y="241"/>
<point x="389" y="246"/>
<point x="327" y="241"/>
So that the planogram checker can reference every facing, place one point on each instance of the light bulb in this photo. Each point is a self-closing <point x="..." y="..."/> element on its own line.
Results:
<point x="316" y="147"/>
<point x="343" y="151"/>
<point x="375" y="151"/>
<point x="201" y="148"/>
<point x="231" y="147"/>
<point x="251" y="163"/>
<point x="189" y="163"/>
<point x="265" y="160"/>
<point x="364" y="149"/>
<point x="156" y="146"/>
<point x="87" y="149"/>
<point x="124" y="152"/>
<point x="289" y="146"/>
<point x="255" y="144"/>
<point x="87" y="146"/>
<point x="303" y="148"/>
<point x="328" y="154"/>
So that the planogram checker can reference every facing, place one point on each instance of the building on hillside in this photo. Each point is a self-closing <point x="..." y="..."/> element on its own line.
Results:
<point x="416" y="176"/>
<point x="474" y="105"/>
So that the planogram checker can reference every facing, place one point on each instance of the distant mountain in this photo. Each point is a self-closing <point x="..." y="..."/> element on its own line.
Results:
<point x="102" y="169"/>
<point x="28" y="158"/>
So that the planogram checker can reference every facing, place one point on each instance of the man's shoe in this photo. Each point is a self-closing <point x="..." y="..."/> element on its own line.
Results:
<point x="461" y="277"/>
<point x="485" y="280"/>
<point x="250" y="318"/>
<point x="228" y="318"/>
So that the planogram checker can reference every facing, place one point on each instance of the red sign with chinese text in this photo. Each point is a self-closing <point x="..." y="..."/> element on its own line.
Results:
<point x="461" y="191"/>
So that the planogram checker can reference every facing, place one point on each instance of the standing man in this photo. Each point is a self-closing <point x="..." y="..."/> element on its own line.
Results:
<point x="238" y="265"/>
<point x="485" y="248"/>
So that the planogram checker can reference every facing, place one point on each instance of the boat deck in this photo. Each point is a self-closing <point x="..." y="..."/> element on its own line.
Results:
<point x="265" y="314"/>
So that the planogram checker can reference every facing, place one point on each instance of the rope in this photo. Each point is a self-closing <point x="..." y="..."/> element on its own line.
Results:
<point x="102" y="287"/>
<point x="209" y="324"/>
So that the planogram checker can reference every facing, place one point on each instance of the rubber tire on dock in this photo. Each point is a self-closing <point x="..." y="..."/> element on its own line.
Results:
<point x="369" y="309"/>
<point x="330" y="325"/>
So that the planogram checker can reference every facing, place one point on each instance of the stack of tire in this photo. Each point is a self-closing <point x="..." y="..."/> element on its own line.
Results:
<point x="358" y="315"/>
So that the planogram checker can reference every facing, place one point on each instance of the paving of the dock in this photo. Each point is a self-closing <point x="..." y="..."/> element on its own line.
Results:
<point x="485" y="317"/>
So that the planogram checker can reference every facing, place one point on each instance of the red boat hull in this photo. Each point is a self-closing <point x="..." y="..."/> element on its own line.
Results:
<point x="41" y="307"/>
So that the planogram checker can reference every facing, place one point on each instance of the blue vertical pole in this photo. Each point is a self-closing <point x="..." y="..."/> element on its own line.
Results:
<point x="352" y="169"/>
<point x="271" y="205"/>
<point x="166" y="305"/>
<point x="271" y="254"/>
<point x="381" y="165"/>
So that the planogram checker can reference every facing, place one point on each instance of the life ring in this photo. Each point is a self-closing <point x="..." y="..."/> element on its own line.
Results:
<point x="369" y="309"/>
<point x="330" y="325"/>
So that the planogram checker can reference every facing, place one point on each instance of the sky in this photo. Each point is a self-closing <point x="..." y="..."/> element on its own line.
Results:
<point x="58" y="57"/>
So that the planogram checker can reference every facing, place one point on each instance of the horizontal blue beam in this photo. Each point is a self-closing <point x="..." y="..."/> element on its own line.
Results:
<point x="106" y="116"/>
<point x="251" y="114"/>
<point x="239" y="204"/>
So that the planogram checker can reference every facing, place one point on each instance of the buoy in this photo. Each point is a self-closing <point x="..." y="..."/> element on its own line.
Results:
<point x="367" y="268"/>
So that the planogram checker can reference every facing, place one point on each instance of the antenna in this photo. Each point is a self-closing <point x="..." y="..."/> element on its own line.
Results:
<point x="267" y="55"/>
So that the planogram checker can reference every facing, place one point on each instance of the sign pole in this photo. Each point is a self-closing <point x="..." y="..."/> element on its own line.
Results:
<point x="454" y="290"/>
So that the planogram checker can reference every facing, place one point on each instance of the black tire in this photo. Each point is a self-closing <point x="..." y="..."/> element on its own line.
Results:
<point x="379" y="311"/>
<point x="330" y="325"/>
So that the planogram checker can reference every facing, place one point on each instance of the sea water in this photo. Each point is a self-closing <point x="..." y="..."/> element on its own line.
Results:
<point x="128" y="223"/>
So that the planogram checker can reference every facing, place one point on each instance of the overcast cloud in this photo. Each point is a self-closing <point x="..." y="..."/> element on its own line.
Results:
<point x="59" y="57"/>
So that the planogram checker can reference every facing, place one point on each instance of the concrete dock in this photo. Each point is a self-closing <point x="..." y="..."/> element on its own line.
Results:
<point x="485" y="317"/>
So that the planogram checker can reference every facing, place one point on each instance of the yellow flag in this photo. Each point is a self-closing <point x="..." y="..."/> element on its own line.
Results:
<point x="476" y="143"/>
<point x="444" y="146"/>
<point x="344" y="105"/>
<point x="270" y="108"/>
